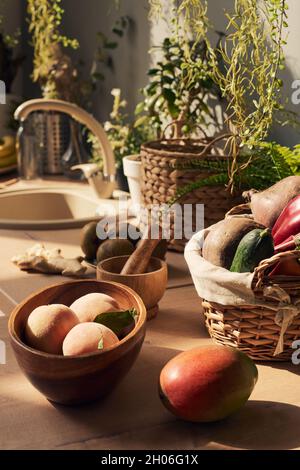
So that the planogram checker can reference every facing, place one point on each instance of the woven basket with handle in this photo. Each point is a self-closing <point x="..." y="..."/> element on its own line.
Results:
<point x="265" y="331"/>
<point x="163" y="171"/>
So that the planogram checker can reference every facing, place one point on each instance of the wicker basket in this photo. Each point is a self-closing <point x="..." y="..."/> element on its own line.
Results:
<point x="258" y="330"/>
<point x="161" y="177"/>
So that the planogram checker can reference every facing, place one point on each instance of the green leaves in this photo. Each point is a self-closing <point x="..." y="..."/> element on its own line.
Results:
<point x="269" y="163"/>
<point x="121" y="323"/>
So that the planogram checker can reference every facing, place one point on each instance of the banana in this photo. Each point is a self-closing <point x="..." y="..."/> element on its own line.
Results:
<point x="7" y="147"/>
<point x="8" y="161"/>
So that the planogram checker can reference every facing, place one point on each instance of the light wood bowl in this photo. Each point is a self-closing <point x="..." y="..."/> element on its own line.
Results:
<point x="150" y="286"/>
<point x="75" y="380"/>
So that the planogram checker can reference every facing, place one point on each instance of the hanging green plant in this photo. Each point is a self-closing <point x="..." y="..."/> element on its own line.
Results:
<point x="181" y="80"/>
<point x="252" y="53"/>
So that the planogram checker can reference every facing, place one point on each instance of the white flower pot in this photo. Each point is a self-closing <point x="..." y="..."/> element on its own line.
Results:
<point x="133" y="171"/>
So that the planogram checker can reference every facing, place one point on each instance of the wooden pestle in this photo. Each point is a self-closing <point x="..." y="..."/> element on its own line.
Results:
<point x="139" y="259"/>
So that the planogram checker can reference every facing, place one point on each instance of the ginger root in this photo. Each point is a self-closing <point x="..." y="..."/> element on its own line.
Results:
<point x="39" y="259"/>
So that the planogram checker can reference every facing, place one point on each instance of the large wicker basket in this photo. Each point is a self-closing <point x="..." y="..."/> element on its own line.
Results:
<point x="259" y="330"/>
<point x="163" y="173"/>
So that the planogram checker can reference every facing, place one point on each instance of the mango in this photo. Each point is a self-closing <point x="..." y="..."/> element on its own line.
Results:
<point x="89" y="242"/>
<point x="207" y="383"/>
<point x="47" y="327"/>
<point x="89" y="306"/>
<point x="87" y="338"/>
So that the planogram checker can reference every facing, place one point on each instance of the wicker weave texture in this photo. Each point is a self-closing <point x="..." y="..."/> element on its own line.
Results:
<point x="254" y="329"/>
<point x="163" y="173"/>
<point x="251" y="329"/>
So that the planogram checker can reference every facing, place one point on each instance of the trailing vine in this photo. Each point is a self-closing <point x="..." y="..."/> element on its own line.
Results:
<point x="253" y="56"/>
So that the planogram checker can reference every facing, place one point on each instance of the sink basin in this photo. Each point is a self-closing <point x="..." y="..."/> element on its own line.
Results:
<point x="50" y="209"/>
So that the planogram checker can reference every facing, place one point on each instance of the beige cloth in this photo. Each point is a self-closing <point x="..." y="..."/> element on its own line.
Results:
<point x="213" y="283"/>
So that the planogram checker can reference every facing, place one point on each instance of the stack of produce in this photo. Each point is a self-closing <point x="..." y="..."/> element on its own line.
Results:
<point x="8" y="156"/>
<point x="93" y="322"/>
<point x="240" y="244"/>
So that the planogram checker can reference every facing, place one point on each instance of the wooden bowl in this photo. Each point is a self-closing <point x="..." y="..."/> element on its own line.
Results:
<point x="149" y="286"/>
<point x="75" y="380"/>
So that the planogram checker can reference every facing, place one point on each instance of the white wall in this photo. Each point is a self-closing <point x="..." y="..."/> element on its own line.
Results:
<point x="131" y="58"/>
<point x="287" y="135"/>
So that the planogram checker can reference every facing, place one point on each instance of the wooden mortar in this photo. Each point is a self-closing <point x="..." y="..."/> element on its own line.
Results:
<point x="150" y="285"/>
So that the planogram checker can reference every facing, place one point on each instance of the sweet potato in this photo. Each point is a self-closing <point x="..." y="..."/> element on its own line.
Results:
<point x="222" y="241"/>
<point x="267" y="205"/>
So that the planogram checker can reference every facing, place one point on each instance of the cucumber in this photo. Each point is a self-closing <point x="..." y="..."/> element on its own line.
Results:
<point x="254" y="247"/>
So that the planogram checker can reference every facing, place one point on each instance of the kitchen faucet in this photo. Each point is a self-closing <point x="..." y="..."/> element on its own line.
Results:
<point x="104" y="182"/>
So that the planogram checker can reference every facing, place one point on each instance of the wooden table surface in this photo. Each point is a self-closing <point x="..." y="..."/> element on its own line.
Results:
<point x="133" y="417"/>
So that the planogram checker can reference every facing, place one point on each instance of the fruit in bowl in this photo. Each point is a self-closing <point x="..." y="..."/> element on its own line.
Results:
<point x="89" y="306"/>
<point x="88" y="337"/>
<point x="47" y="327"/>
<point x="82" y="376"/>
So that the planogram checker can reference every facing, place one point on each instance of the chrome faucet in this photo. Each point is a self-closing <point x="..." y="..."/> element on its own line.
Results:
<point x="104" y="182"/>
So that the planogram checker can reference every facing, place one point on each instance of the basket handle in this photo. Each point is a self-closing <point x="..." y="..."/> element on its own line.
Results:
<point x="260" y="270"/>
<point x="212" y="143"/>
<point x="237" y="210"/>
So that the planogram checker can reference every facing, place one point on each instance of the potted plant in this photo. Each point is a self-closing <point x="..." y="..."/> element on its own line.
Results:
<point x="126" y="137"/>
<point x="257" y="44"/>
<point x="255" y="38"/>
<point x="180" y="104"/>
<point x="169" y="102"/>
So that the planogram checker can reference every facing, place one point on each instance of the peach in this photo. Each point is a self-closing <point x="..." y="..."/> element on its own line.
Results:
<point x="89" y="306"/>
<point x="47" y="327"/>
<point x="207" y="383"/>
<point x="87" y="338"/>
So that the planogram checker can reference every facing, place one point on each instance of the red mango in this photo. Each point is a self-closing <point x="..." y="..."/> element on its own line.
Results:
<point x="207" y="383"/>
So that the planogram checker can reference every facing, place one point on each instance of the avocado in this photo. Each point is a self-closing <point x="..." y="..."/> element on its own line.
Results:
<point x="89" y="241"/>
<point x="115" y="247"/>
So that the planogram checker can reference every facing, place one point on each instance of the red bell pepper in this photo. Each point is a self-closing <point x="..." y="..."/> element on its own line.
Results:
<point x="288" y="223"/>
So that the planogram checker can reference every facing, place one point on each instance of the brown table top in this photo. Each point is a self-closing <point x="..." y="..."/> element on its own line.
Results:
<point x="132" y="417"/>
